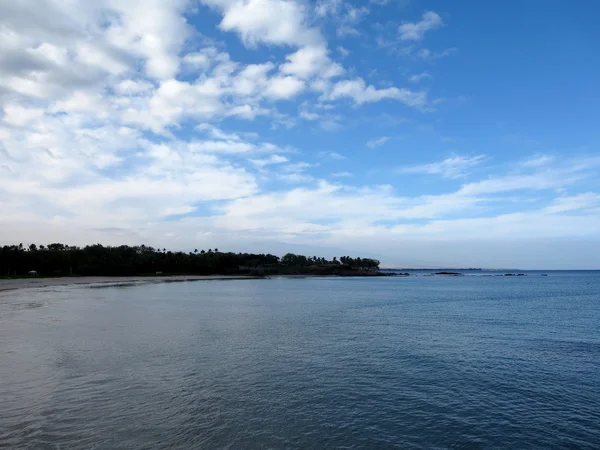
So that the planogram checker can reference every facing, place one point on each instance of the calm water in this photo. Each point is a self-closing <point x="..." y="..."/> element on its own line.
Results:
<point x="472" y="362"/>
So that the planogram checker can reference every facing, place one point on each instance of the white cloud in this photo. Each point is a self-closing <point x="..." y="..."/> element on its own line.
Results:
<point x="574" y="203"/>
<point x="428" y="55"/>
<point x="273" y="159"/>
<point x="252" y="80"/>
<point x="416" y="31"/>
<point x="19" y="116"/>
<point x="330" y="124"/>
<point x="344" y="15"/>
<point x="154" y="30"/>
<point x="308" y="115"/>
<point x="374" y="143"/>
<point x="82" y="102"/>
<point x="343" y="51"/>
<point x="538" y="161"/>
<point x="419" y="77"/>
<point x="216" y="133"/>
<point x="134" y="87"/>
<point x="453" y="167"/>
<point x="358" y="91"/>
<point x="280" y="22"/>
<point x="538" y="181"/>
<point x="309" y="61"/>
<point x="348" y="21"/>
<point x="221" y="146"/>
<point x="284" y="87"/>
<point x="325" y="8"/>
<point x="352" y="211"/>
<point x="331" y="155"/>
<point x="100" y="57"/>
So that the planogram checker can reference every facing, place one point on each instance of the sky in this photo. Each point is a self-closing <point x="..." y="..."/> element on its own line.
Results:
<point x="422" y="133"/>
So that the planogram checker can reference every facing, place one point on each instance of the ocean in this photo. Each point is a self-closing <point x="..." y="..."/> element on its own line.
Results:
<point x="309" y="363"/>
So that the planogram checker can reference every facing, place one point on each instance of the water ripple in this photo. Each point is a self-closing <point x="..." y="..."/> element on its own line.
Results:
<point x="311" y="363"/>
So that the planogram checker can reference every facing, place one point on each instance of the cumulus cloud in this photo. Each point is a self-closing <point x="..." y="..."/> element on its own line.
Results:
<point x="309" y="61"/>
<point x="416" y="31"/>
<point x="360" y="93"/>
<point x="284" y="87"/>
<point x="280" y="22"/>
<point x="344" y="15"/>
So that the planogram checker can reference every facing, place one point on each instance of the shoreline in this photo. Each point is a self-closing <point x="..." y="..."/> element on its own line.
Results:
<point x="12" y="284"/>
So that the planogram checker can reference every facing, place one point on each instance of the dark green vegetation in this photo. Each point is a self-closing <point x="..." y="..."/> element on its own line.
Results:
<point x="61" y="260"/>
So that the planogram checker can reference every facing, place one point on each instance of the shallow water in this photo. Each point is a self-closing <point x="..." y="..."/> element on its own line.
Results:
<point x="423" y="362"/>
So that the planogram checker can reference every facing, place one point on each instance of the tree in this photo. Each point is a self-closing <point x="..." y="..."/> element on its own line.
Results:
<point x="61" y="259"/>
<point x="289" y="259"/>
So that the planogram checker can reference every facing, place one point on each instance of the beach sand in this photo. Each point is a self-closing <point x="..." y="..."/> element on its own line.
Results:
<point x="25" y="283"/>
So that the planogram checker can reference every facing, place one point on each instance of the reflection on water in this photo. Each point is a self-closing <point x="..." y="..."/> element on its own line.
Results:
<point x="474" y="362"/>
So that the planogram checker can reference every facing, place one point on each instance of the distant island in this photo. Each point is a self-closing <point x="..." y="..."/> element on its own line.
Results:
<point x="56" y="260"/>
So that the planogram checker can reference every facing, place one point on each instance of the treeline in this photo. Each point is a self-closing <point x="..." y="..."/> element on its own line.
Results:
<point x="365" y="264"/>
<point x="60" y="260"/>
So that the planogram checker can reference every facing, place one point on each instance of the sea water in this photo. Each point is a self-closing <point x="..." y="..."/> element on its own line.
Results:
<point x="417" y="362"/>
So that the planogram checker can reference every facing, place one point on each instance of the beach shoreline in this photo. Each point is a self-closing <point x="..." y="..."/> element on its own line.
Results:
<point x="11" y="284"/>
<point x="30" y="283"/>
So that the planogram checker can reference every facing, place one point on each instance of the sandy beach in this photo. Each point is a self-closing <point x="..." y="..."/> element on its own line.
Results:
<point x="26" y="283"/>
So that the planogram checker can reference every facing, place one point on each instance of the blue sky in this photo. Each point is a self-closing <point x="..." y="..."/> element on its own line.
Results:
<point x="423" y="133"/>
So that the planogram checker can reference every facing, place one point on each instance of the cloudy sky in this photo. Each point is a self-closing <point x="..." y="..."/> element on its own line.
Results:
<point x="424" y="133"/>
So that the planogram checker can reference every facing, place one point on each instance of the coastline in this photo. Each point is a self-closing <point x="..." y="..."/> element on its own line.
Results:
<point x="29" y="283"/>
<point x="10" y="284"/>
